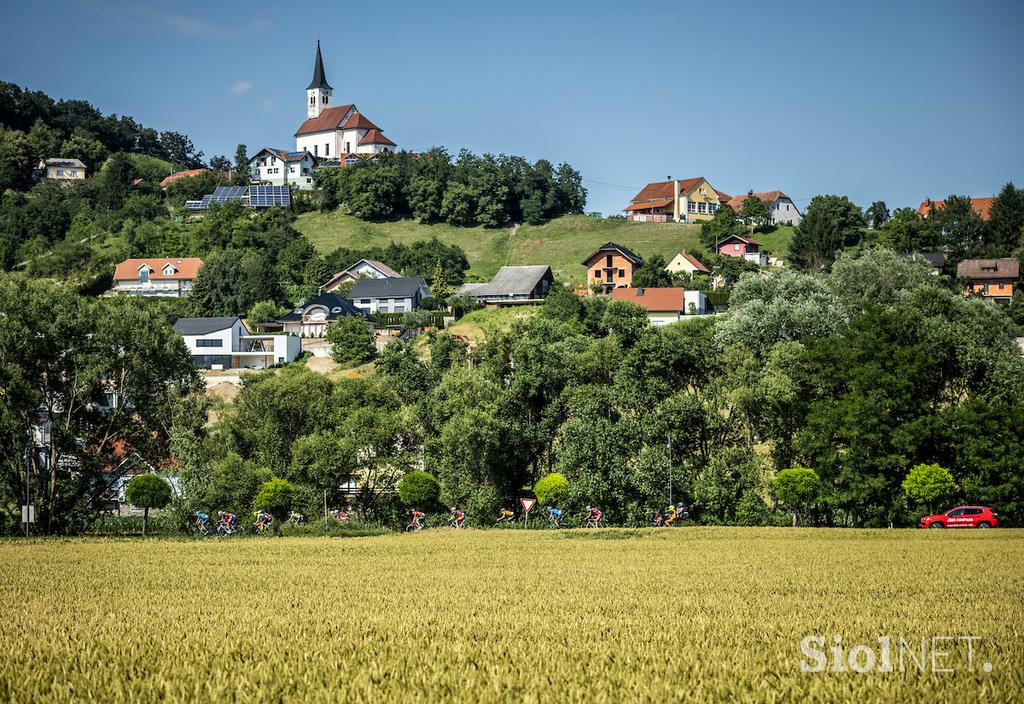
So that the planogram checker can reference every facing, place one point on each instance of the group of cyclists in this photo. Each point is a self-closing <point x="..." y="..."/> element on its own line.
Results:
<point x="457" y="519"/>
<point x="227" y="522"/>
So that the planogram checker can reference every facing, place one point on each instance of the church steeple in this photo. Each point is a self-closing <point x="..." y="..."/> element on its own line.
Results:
<point x="318" y="95"/>
<point x="319" y="77"/>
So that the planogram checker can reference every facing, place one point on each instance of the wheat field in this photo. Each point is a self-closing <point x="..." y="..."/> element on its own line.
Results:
<point x="711" y="614"/>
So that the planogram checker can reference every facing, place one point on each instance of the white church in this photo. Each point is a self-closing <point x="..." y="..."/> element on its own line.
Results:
<point x="336" y="132"/>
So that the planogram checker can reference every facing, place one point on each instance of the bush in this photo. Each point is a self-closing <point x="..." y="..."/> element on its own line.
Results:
<point x="552" y="490"/>
<point x="351" y="341"/>
<point x="276" y="497"/>
<point x="797" y="488"/>
<point x="148" y="491"/>
<point x="926" y="484"/>
<point x="419" y="489"/>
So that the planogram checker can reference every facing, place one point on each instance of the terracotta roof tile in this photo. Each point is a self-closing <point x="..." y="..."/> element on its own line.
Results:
<point x="654" y="299"/>
<point x="375" y="136"/>
<point x="186" y="268"/>
<point x="357" y="121"/>
<point x="981" y="206"/>
<point x="180" y="175"/>
<point x="768" y="197"/>
<point x="649" y="204"/>
<point x="329" y="119"/>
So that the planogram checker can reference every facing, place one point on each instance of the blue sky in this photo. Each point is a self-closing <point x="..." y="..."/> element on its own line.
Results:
<point x="889" y="100"/>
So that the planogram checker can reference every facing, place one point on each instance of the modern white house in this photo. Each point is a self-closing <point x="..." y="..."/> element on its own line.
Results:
<point x="399" y="295"/>
<point x="313" y="318"/>
<point x="225" y="343"/>
<point x="160" y="276"/>
<point x="277" y="167"/>
<point x="335" y="131"/>
<point x="62" y="169"/>
<point x="362" y="269"/>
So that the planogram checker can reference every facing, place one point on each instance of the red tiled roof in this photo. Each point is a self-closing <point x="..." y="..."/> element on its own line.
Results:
<point x="649" y="204"/>
<point x="654" y="299"/>
<point x="769" y="197"/>
<point x="741" y="238"/>
<point x="375" y="136"/>
<point x="181" y="174"/>
<point x="185" y="268"/>
<point x="697" y="264"/>
<point x="329" y="119"/>
<point x="358" y="122"/>
<point x="660" y="190"/>
<point x="980" y="205"/>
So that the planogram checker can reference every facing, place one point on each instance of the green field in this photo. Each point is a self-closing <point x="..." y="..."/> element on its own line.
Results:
<point x="562" y="243"/>
<point x="687" y="614"/>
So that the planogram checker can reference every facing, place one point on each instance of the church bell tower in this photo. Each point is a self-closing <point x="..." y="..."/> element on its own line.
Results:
<point x="318" y="95"/>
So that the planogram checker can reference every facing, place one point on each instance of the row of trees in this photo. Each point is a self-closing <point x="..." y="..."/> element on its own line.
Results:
<point x="468" y="190"/>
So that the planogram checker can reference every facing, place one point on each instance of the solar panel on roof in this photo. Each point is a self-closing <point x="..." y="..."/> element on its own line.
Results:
<point x="269" y="196"/>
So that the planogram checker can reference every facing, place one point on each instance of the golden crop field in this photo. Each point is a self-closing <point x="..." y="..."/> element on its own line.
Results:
<point x="709" y="614"/>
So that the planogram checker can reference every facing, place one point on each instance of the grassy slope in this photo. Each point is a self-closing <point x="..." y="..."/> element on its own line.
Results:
<point x="562" y="243"/>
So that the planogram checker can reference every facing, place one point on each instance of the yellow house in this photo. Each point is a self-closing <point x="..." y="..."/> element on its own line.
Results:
<point x="686" y="200"/>
<point x="62" y="169"/>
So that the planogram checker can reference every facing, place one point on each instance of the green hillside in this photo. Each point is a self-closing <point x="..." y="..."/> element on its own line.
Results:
<point x="562" y="243"/>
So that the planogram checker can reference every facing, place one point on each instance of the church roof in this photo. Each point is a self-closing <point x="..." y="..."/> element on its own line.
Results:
<point x="319" y="77"/>
<point x="358" y="122"/>
<point x="375" y="136"/>
<point x="329" y="119"/>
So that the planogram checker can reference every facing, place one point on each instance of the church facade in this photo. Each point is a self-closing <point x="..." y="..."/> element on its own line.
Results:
<point x="336" y="132"/>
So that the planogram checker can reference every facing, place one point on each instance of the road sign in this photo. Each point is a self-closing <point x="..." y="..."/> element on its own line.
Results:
<point x="528" y="504"/>
<point x="28" y="514"/>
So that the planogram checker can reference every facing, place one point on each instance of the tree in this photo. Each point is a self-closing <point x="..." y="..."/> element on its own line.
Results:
<point x="626" y="321"/>
<point x="552" y="489"/>
<point x="458" y="205"/>
<point x="219" y="162"/>
<point x="15" y="160"/>
<point x="264" y="312"/>
<point x="276" y="497"/>
<point x="754" y="212"/>
<point x="351" y="341"/>
<point x="179" y="150"/>
<point x="877" y="215"/>
<point x="830" y="223"/>
<point x="148" y="491"/>
<point x="241" y="159"/>
<point x="723" y="224"/>
<point x="1005" y="219"/>
<point x="906" y="231"/>
<point x="797" y="489"/>
<point x="424" y="196"/>
<point x="926" y="484"/>
<point x="653" y="273"/>
<point x="439" y="288"/>
<point x="418" y="489"/>
<point x="84" y="146"/>
<point x="958" y="227"/>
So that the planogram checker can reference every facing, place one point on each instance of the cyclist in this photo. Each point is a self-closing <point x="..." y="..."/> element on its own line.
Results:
<point x="417" y="520"/>
<point x="593" y="517"/>
<point x="340" y="516"/>
<point x="670" y="516"/>
<point x="658" y="521"/>
<point x="296" y="518"/>
<point x="456" y="519"/>
<point x="201" y="523"/>
<point x="227" y="520"/>
<point x="505" y="516"/>
<point x="554" y="517"/>
<point x="263" y="521"/>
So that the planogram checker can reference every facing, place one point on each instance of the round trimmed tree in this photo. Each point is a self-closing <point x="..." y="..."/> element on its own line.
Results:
<point x="351" y="341"/>
<point x="148" y="491"/>
<point x="276" y="497"/>
<point x="418" y="488"/>
<point x="926" y="484"/>
<point x="552" y="489"/>
<point x="797" y="488"/>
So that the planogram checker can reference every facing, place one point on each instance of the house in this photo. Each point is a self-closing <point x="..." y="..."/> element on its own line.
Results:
<point x="686" y="200"/>
<point x="277" y="167"/>
<point x="178" y="175"/>
<point x="159" y="276"/>
<point x="781" y="208"/>
<point x="225" y="343"/>
<point x="312" y="319"/>
<point x="981" y="206"/>
<point x="743" y="247"/>
<point x="390" y="295"/>
<point x="665" y="305"/>
<point x="937" y="260"/>
<point x="62" y="169"/>
<point x="335" y="132"/>
<point x="611" y="266"/>
<point x="513" y="285"/>
<point x="993" y="279"/>
<point x="684" y="263"/>
<point x="362" y="269"/>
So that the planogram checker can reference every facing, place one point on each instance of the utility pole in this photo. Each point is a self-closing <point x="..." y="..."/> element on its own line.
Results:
<point x="670" y="502"/>
<point x="28" y="489"/>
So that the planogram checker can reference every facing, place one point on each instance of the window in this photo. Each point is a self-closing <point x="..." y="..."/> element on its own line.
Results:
<point x="622" y="273"/>
<point x="315" y="153"/>
<point x="73" y="172"/>
<point x="168" y="270"/>
<point x="327" y="150"/>
<point x="713" y="207"/>
<point x="608" y="261"/>
<point x="691" y="207"/>
<point x="144" y="275"/>
<point x="972" y="511"/>
<point x="60" y="172"/>
<point x="735" y="248"/>
<point x="348" y="147"/>
<point x="957" y="512"/>
<point x="398" y="308"/>
<point x="209" y="343"/>
<point x="365" y="301"/>
<point x="291" y="169"/>
<point x="702" y="208"/>
<point x="312" y="100"/>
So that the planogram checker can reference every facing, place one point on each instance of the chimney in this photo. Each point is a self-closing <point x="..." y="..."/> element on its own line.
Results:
<point x="640" y="292"/>
<point x="675" y="201"/>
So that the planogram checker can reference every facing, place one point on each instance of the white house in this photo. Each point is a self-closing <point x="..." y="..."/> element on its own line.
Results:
<point x="781" y="208"/>
<point x="362" y="269"/>
<point x="159" y="276"/>
<point x="665" y="305"/>
<point x="225" y="343"/>
<point x="399" y="295"/>
<point x="312" y="319"/>
<point x="277" y="167"/>
<point x="62" y="169"/>
<point x="335" y="131"/>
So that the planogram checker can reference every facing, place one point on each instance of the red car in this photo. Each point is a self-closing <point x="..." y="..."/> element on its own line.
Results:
<point x="962" y="517"/>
